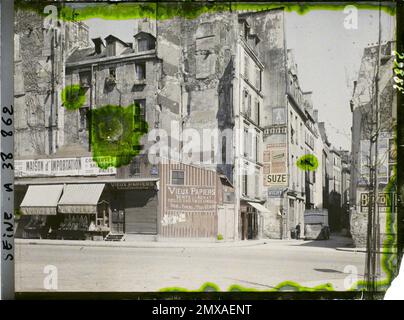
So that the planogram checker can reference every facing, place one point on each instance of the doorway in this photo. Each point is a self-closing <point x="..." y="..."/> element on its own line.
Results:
<point x="118" y="221"/>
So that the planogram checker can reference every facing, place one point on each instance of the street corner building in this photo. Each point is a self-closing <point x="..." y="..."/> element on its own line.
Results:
<point x="364" y="146"/>
<point x="228" y="78"/>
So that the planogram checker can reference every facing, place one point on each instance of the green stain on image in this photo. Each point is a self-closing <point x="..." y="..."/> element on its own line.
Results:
<point x="307" y="162"/>
<point x="286" y="286"/>
<point x="389" y="258"/>
<point x="184" y="9"/>
<point x="73" y="97"/>
<point x="115" y="134"/>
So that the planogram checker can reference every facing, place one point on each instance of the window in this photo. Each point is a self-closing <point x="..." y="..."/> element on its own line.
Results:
<point x="111" y="49"/>
<point x="177" y="177"/>
<point x="257" y="183"/>
<point x="140" y="113"/>
<point x="142" y="44"/>
<point x="292" y="132"/>
<point x="231" y="101"/>
<point x="245" y="182"/>
<point x="135" y="168"/>
<point x="246" y="66"/>
<point x="85" y="79"/>
<point x="249" y="106"/>
<point x="245" y="141"/>
<point x="224" y="150"/>
<point x="257" y="112"/>
<point x="258" y="79"/>
<point x="257" y="144"/>
<point x="112" y="73"/>
<point x="140" y="71"/>
<point x="245" y="101"/>
<point x="292" y="167"/>
<point x="83" y="118"/>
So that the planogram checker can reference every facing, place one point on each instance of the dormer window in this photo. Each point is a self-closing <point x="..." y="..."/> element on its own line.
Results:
<point x="145" y="41"/>
<point x="142" y="44"/>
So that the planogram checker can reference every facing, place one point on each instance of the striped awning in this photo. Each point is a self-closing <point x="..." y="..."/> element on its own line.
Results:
<point x="80" y="198"/>
<point x="41" y="199"/>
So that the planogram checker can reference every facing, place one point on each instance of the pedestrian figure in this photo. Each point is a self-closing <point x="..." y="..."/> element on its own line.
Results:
<point x="298" y="231"/>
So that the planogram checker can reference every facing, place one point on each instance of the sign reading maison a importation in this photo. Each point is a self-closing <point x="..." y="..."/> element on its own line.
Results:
<point x="82" y="166"/>
<point x="190" y="198"/>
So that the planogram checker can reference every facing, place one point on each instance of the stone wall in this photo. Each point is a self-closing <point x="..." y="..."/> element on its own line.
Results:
<point x="39" y="78"/>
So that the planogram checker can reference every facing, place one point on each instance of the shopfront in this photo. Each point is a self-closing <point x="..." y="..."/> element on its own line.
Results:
<point x="88" y="211"/>
<point x="251" y="219"/>
<point x="134" y="207"/>
<point x="40" y="208"/>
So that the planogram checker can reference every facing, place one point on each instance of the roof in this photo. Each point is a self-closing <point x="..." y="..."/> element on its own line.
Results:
<point x="140" y="33"/>
<point x="112" y="37"/>
<point x="84" y="54"/>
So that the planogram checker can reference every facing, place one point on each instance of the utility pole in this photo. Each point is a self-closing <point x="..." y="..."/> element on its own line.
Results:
<point x="373" y="236"/>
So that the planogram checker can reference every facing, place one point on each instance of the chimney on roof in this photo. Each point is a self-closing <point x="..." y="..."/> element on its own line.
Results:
<point x="98" y="44"/>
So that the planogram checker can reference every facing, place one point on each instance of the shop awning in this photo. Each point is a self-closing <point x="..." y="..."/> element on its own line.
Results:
<point x="259" y="207"/>
<point x="41" y="199"/>
<point x="80" y="198"/>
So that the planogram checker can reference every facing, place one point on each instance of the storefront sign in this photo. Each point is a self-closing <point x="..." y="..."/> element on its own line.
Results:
<point x="134" y="185"/>
<point x="275" y="165"/>
<point x="274" y="193"/>
<point x="84" y="166"/>
<point x="189" y="198"/>
<point x="384" y="200"/>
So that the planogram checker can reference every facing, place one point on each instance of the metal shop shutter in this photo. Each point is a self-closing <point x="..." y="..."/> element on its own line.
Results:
<point x="141" y="212"/>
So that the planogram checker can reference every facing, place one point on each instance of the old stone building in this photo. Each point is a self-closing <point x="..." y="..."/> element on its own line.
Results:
<point x="40" y="56"/>
<point x="60" y="189"/>
<point x="363" y="128"/>
<point x="219" y="93"/>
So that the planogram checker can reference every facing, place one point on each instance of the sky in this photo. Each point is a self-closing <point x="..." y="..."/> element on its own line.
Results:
<point x="327" y="54"/>
<point x="328" y="57"/>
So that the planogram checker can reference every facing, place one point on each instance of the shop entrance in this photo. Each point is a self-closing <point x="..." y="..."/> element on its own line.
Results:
<point x="249" y="224"/>
<point x="118" y="222"/>
<point x="141" y="212"/>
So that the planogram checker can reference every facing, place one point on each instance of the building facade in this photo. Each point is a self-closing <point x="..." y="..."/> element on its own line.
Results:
<point x="363" y="128"/>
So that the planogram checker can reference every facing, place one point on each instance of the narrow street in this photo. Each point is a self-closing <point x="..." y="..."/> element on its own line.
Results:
<point x="86" y="268"/>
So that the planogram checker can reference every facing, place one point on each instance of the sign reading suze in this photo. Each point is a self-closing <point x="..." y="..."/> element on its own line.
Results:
<point x="190" y="198"/>
<point x="275" y="165"/>
<point x="277" y="178"/>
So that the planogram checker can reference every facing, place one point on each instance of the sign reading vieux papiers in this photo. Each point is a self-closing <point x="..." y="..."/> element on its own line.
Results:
<point x="190" y="198"/>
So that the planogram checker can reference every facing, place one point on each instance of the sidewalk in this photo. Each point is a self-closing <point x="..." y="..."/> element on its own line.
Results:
<point x="145" y="244"/>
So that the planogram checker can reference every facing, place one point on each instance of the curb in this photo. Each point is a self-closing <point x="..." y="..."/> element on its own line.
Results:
<point x="134" y="244"/>
<point x="362" y="250"/>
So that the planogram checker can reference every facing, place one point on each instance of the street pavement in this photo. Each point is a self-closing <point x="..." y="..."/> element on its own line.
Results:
<point x="260" y="265"/>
